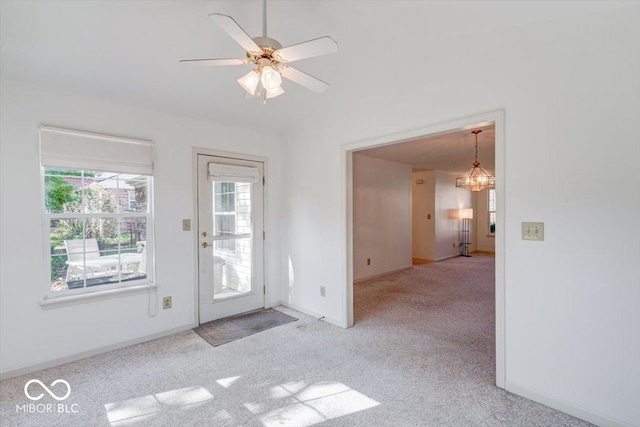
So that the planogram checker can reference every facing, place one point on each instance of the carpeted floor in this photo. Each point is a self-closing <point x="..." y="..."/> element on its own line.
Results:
<point x="421" y="354"/>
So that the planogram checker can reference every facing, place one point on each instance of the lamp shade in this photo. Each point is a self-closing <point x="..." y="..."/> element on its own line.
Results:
<point x="466" y="213"/>
<point x="270" y="79"/>
<point x="250" y="82"/>
<point x="274" y="92"/>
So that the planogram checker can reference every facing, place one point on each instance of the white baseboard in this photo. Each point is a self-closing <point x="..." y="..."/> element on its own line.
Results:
<point x="447" y="257"/>
<point x="311" y="313"/>
<point x="566" y="407"/>
<point x="375" y="276"/>
<point x="75" y="357"/>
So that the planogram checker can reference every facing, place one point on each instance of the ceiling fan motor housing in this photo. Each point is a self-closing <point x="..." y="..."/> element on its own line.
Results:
<point x="268" y="46"/>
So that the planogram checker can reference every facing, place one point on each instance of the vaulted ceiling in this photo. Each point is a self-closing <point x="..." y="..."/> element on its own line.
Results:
<point x="128" y="51"/>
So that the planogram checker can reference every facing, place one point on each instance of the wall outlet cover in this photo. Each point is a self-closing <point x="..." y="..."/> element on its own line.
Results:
<point x="186" y="225"/>
<point x="166" y="303"/>
<point x="323" y="291"/>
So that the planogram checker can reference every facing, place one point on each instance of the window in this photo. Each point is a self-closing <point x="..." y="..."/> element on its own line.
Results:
<point x="492" y="211"/>
<point x="132" y="200"/>
<point x="98" y="223"/>
<point x="225" y="213"/>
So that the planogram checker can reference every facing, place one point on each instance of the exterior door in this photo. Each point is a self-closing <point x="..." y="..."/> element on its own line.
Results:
<point x="230" y="236"/>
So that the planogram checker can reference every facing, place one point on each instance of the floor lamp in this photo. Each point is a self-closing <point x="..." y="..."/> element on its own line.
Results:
<point x="466" y="215"/>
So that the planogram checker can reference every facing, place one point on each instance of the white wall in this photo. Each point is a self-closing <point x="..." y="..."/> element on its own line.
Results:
<point x="30" y="335"/>
<point x="482" y="240"/>
<point x="424" y="215"/>
<point x="449" y="201"/>
<point x="437" y="238"/>
<point x="381" y="216"/>
<point x="570" y="89"/>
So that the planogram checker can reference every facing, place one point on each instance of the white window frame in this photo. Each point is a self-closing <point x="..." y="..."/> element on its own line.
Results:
<point x="72" y="296"/>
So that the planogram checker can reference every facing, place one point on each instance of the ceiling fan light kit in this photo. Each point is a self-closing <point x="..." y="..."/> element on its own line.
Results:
<point x="476" y="178"/>
<point x="270" y="58"/>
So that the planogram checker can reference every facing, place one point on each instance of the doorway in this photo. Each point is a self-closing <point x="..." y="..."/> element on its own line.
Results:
<point x="230" y="207"/>
<point x="497" y="119"/>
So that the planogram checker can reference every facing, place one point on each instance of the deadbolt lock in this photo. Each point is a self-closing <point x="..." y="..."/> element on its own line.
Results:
<point x="204" y="234"/>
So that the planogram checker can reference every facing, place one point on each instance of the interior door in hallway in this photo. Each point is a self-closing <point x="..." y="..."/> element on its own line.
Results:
<point x="231" y="239"/>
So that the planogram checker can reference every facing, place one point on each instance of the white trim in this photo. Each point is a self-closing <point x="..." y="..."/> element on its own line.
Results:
<point x="444" y="258"/>
<point x="83" y="355"/>
<point x="66" y="300"/>
<point x="566" y="407"/>
<point x="195" y="226"/>
<point x="375" y="276"/>
<point x="346" y="202"/>
<point x="312" y="313"/>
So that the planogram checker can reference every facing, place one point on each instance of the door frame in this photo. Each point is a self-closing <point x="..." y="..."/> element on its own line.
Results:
<point x="498" y="118"/>
<point x="195" y="224"/>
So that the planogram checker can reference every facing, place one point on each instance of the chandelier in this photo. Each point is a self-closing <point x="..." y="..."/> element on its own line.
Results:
<point x="476" y="178"/>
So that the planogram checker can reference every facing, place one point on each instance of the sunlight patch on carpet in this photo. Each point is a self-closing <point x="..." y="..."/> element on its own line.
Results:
<point x="142" y="408"/>
<point x="314" y="404"/>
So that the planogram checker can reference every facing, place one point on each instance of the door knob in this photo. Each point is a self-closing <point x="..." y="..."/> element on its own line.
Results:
<point x="204" y="244"/>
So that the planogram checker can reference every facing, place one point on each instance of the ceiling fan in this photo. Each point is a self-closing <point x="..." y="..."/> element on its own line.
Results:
<point x="271" y="58"/>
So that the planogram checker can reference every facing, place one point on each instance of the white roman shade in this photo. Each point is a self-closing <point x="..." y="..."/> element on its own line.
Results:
<point x="72" y="149"/>
<point x="229" y="173"/>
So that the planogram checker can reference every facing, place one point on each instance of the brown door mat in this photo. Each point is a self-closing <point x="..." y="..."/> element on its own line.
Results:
<point x="222" y="331"/>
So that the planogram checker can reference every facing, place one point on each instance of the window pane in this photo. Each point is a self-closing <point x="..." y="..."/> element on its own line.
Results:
<point x="492" y="200"/>
<point x="133" y="248"/>
<point x="225" y="225"/>
<point x="102" y="193"/>
<point x="224" y="196"/>
<point x="63" y="190"/>
<point x="492" y="222"/>
<point x="232" y="269"/>
<point x="136" y="186"/>
<point x="243" y="208"/>
<point x="66" y="266"/>
<point x="101" y="251"/>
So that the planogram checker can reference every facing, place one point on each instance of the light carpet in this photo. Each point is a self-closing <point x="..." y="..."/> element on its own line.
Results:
<point x="420" y="354"/>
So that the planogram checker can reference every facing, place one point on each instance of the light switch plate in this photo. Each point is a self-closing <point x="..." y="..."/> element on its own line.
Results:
<point x="186" y="225"/>
<point x="533" y="231"/>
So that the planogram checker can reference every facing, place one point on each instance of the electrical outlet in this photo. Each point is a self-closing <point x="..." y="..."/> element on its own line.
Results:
<point x="454" y="245"/>
<point x="166" y="303"/>
<point x="186" y="225"/>
<point x="368" y="261"/>
<point x="323" y="291"/>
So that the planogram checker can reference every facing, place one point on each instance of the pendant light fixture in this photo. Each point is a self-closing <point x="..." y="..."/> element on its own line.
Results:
<point x="476" y="178"/>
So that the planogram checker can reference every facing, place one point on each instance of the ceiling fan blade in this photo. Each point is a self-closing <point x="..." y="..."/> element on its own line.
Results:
<point x="303" y="79"/>
<point x="231" y="27"/>
<point x="316" y="47"/>
<point x="213" y="62"/>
